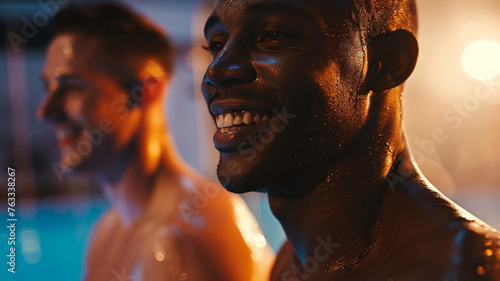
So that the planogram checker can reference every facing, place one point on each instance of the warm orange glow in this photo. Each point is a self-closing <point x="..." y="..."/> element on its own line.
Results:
<point x="481" y="60"/>
<point x="160" y="256"/>
<point x="480" y="270"/>
<point x="154" y="69"/>
<point x="154" y="148"/>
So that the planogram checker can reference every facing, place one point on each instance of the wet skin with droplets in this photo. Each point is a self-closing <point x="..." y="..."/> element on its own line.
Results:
<point x="339" y="175"/>
<point x="278" y="47"/>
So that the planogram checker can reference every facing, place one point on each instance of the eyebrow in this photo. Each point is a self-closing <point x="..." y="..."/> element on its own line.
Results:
<point x="61" y="79"/>
<point x="263" y="8"/>
<point x="211" y="21"/>
<point x="44" y="77"/>
<point x="278" y="7"/>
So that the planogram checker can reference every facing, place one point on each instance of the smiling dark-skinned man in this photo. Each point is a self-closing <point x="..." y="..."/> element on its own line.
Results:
<point x="307" y="98"/>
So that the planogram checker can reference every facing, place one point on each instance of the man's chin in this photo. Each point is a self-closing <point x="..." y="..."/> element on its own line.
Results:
<point x="74" y="169"/>
<point x="255" y="176"/>
<point x="238" y="188"/>
<point x="289" y="187"/>
<point x="278" y="173"/>
<point x="235" y="183"/>
<point x="77" y="165"/>
<point x="239" y="176"/>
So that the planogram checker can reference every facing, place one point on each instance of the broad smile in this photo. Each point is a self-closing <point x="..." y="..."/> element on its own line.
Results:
<point x="67" y="135"/>
<point x="237" y="121"/>
<point x="232" y="120"/>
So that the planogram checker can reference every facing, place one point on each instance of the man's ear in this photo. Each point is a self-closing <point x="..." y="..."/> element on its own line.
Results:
<point x="135" y="91"/>
<point x="392" y="58"/>
<point x="141" y="90"/>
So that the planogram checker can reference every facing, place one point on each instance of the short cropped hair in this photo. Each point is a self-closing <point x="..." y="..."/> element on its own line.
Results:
<point x="122" y="32"/>
<point x="382" y="16"/>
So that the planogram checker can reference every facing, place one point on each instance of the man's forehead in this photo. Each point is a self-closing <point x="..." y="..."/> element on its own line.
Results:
<point x="74" y="42"/>
<point x="73" y="48"/>
<point x="235" y="9"/>
<point x="236" y="3"/>
<point x="270" y="5"/>
<point x="74" y="53"/>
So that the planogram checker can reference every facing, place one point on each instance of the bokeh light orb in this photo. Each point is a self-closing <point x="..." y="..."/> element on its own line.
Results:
<point x="481" y="60"/>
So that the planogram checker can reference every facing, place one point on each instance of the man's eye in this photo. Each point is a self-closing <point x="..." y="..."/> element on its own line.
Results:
<point x="214" y="46"/>
<point x="270" y="36"/>
<point x="277" y="39"/>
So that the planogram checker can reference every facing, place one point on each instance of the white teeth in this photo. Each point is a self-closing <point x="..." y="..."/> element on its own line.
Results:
<point x="66" y="133"/>
<point x="228" y="120"/>
<point x="247" y="118"/>
<point x="220" y="121"/>
<point x="238" y="120"/>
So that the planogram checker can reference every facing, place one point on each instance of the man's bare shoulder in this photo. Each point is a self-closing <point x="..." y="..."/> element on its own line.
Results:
<point x="108" y="220"/>
<point x="106" y="237"/>
<point x="108" y="223"/>
<point x="215" y="228"/>
<point x="465" y="250"/>
<point x="476" y="251"/>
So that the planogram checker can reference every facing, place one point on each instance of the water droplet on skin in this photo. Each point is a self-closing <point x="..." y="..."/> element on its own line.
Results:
<point x="183" y="276"/>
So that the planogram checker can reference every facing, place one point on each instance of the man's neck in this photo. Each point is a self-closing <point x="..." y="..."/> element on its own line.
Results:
<point x="336" y="224"/>
<point x="130" y="187"/>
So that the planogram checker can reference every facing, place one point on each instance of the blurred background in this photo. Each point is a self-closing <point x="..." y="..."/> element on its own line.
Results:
<point x="451" y="109"/>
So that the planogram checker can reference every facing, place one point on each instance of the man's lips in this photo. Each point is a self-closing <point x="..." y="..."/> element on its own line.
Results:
<point x="68" y="135"/>
<point x="238" y="120"/>
<point x="221" y="106"/>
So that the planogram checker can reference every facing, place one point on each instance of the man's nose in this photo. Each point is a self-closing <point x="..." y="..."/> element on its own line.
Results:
<point x="50" y="109"/>
<point x="231" y="67"/>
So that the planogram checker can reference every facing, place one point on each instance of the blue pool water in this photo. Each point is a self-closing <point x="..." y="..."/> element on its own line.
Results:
<point x="50" y="239"/>
<point x="51" y="236"/>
